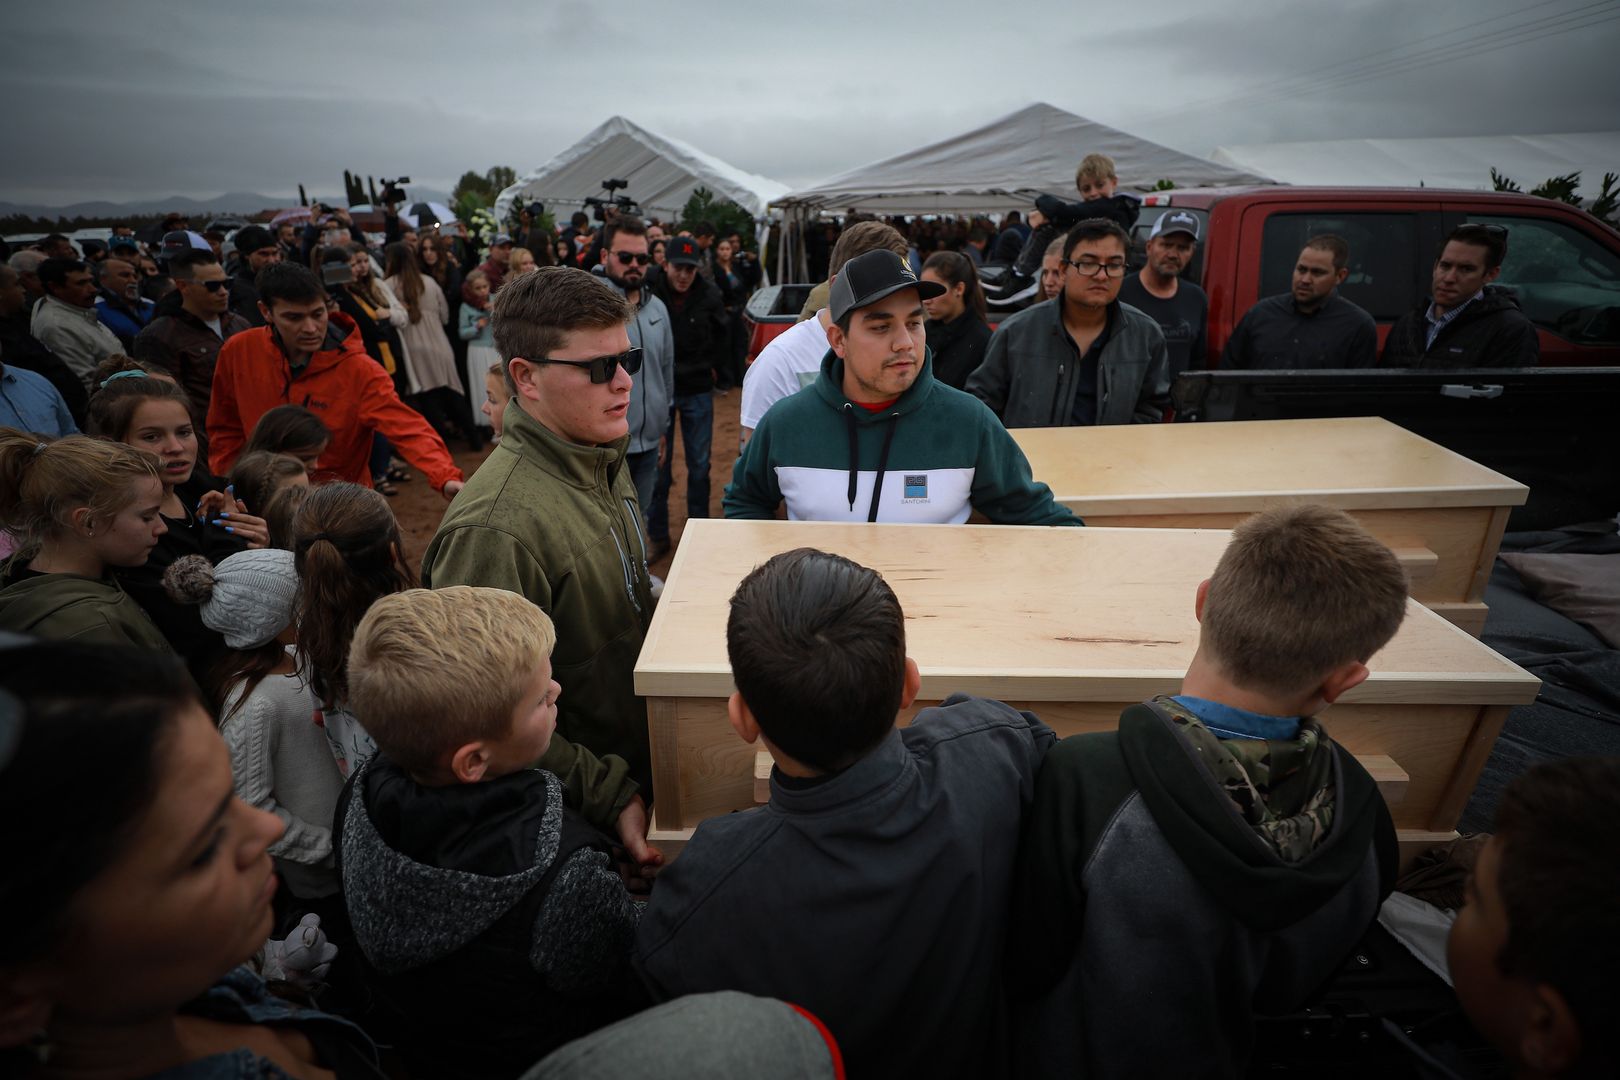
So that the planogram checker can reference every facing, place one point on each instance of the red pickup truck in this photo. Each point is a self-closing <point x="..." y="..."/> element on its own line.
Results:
<point x="1563" y="263"/>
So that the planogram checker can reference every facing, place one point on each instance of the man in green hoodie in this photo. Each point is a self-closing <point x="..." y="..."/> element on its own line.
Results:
<point x="876" y="437"/>
<point x="1218" y="855"/>
<point x="552" y="515"/>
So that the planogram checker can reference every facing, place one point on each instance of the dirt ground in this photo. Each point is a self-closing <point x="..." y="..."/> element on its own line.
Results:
<point x="419" y="508"/>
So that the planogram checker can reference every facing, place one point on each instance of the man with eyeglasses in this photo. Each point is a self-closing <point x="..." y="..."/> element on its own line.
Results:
<point x="552" y="515"/>
<point x="1081" y="358"/>
<point x="1467" y="321"/>
<point x="192" y="323"/>
<point x="698" y="321"/>
<point x="625" y="262"/>
<point x="1311" y="327"/>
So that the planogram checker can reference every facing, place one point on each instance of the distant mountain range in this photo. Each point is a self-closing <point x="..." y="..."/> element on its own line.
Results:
<point x="232" y="202"/>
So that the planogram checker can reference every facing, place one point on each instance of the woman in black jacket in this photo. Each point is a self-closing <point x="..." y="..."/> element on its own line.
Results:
<point x="736" y="282"/>
<point x="957" y="330"/>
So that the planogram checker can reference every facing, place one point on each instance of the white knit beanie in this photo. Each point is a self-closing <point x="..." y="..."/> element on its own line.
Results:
<point x="248" y="597"/>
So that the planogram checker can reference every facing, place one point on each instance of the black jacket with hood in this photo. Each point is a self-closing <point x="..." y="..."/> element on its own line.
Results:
<point x="1150" y="921"/>
<point x="1490" y="332"/>
<point x="698" y="321"/>
<point x="492" y="926"/>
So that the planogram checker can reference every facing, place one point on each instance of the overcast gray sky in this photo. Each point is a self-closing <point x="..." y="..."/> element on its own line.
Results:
<point x="114" y="100"/>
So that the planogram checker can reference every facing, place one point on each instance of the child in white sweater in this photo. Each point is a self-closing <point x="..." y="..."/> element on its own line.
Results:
<point x="280" y="758"/>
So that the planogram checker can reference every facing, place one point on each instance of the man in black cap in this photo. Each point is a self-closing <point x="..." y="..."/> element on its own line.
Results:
<point x="256" y="248"/>
<point x="697" y="317"/>
<point x="876" y="437"/>
<point x="1179" y="307"/>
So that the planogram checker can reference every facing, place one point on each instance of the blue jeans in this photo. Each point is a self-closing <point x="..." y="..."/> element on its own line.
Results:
<point x="381" y="451"/>
<point x="696" y="412"/>
<point x="643" y="466"/>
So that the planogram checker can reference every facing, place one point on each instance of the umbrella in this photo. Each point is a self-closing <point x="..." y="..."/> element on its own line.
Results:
<point x="429" y="213"/>
<point x="297" y="213"/>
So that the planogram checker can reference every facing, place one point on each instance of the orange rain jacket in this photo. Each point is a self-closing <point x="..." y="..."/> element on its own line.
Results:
<point x="346" y="388"/>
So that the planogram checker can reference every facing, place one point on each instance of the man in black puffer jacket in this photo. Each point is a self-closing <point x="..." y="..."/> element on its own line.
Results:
<point x="1468" y="322"/>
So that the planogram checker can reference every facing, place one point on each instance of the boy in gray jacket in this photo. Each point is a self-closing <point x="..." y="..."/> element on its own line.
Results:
<point x="1218" y="855"/>
<point x="871" y="889"/>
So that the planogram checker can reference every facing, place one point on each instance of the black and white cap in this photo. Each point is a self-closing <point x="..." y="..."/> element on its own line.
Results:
<point x="868" y="278"/>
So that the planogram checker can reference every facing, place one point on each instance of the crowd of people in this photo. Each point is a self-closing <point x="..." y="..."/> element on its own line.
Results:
<point x="275" y="801"/>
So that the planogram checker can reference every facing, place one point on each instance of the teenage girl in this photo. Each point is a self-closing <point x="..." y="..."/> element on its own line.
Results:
<point x="348" y="552"/>
<point x="154" y="416"/>
<point x="294" y="430"/>
<point x="78" y="507"/>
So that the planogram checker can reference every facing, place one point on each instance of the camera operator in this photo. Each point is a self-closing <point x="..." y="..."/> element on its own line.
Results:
<point x="1096" y="180"/>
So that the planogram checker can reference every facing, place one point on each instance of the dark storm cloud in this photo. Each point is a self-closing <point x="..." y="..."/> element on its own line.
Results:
<point x="118" y="101"/>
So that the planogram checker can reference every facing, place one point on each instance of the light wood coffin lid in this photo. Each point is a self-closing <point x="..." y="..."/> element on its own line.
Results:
<point x="1029" y="613"/>
<point x="1357" y="463"/>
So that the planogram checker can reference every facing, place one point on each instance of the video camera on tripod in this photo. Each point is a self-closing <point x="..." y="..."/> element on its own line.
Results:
<point x="619" y="204"/>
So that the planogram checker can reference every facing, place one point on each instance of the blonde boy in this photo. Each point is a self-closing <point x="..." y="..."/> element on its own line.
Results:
<point x="1052" y="217"/>
<point x="491" y="922"/>
<point x="1096" y="178"/>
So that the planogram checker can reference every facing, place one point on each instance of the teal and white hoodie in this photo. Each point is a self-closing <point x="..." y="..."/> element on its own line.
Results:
<point x="932" y="457"/>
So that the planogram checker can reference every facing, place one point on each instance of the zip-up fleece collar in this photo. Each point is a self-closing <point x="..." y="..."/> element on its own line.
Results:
<point x="1223" y="851"/>
<point x="830" y="388"/>
<point x="590" y="468"/>
<point x="408" y="912"/>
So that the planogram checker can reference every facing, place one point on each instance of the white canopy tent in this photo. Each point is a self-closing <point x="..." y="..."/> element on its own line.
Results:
<point x="1447" y="162"/>
<point x="1003" y="166"/>
<point x="662" y="172"/>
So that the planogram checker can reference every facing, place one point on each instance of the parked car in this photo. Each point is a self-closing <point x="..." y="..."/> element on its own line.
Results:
<point x="1563" y="263"/>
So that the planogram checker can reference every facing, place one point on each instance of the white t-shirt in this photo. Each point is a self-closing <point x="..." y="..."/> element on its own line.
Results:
<point x="787" y="365"/>
<point x="216" y="325"/>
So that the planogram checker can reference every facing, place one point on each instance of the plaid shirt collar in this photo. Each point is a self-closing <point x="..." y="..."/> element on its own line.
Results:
<point x="1438" y="323"/>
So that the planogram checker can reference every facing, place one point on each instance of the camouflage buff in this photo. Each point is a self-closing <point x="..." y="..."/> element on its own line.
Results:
<point x="1284" y="790"/>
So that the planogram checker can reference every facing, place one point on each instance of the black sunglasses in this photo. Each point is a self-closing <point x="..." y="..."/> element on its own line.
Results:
<point x="214" y="286"/>
<point x="626" y="258"/>
<point x="603" y="367"/>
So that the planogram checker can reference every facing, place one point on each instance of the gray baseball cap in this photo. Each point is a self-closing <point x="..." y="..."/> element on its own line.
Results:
<point x="1175" y="221"/>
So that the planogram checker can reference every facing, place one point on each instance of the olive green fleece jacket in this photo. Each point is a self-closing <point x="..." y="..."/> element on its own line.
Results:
<point x="558" y="523"/>
<point x="70" y="607"/>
